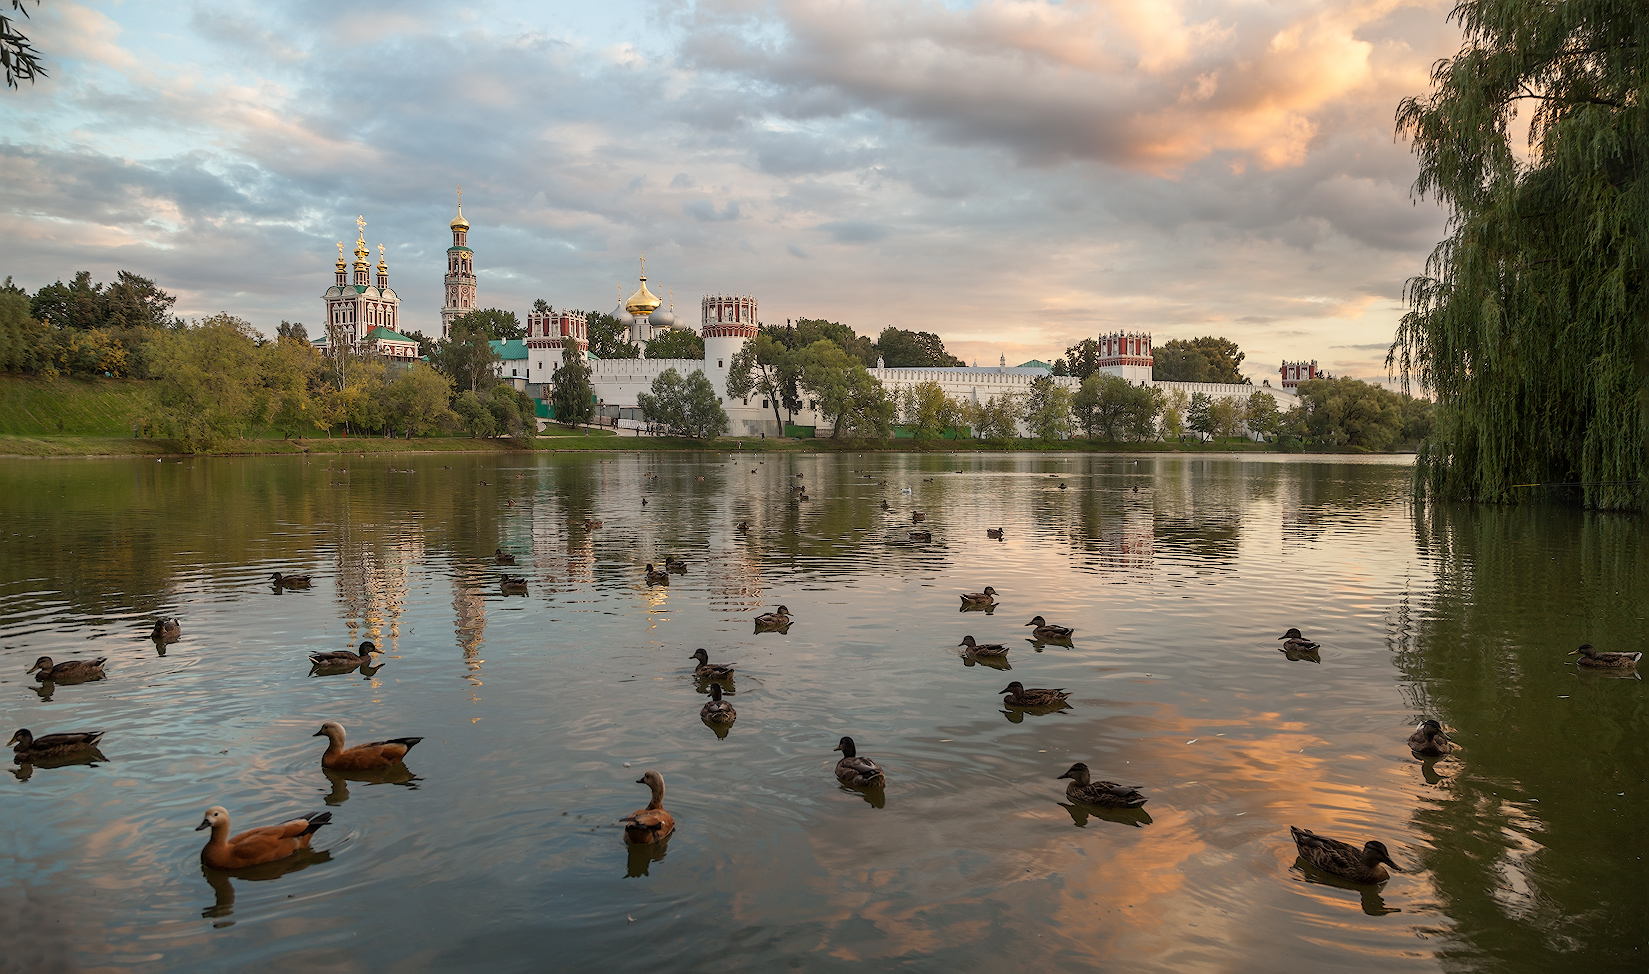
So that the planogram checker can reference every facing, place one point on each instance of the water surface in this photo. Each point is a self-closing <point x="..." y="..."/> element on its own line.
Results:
<point x="499" y="848"/>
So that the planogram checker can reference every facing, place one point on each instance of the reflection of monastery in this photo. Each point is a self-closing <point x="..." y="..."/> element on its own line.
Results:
<point x="365" y="313"/>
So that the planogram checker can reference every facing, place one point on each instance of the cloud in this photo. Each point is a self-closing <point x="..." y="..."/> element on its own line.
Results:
<point x="854" y="231"/>
<point x="705" y="211"/>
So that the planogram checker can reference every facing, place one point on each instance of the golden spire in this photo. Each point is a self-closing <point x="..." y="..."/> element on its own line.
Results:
<point x="458" y="222"/>
<point x="340" y="255"/>
<point x="361" y="251"/>
<point x="383" y="266"/>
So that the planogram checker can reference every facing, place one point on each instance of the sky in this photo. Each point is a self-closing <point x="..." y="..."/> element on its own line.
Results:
<point x="1013" y="175"/>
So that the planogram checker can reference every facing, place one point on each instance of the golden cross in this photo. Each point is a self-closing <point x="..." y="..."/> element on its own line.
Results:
<point x="360" y="225"/>
<point x="644" y="267"/>
<point x="460" y="197"/>
<point x="340" y="250"/>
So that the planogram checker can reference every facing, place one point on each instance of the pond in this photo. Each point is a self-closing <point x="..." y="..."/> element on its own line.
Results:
<point x="498" y="845"/>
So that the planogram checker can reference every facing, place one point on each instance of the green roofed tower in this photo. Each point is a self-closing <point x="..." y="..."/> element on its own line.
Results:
<point x="460" y="294"/>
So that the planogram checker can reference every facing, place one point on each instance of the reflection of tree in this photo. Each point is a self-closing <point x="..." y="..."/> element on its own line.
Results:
<point x="1529" y="833"/>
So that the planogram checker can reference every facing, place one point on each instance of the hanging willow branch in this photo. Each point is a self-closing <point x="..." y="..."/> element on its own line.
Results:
<point x="1530" y="325"/>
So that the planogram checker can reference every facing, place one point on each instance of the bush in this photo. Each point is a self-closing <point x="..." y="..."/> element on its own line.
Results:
<point x="684" y="406"/>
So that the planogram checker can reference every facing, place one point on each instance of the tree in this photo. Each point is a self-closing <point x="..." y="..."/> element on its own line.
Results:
<point x="204" y="393"/>
<point x="997" y="418"/>
<point x="1082" y="359"/>
<point x="513" y="411"/>
<point x="1048" y="409"/>
<point x="1260" y="414"/>
<point x="608" y="338"/>
<point x="1225" y="416"/>
<point x="23" y="340"/>
<point x="930" y="411"/>
<point x="419" y="397"/>
<point x="808" y="331"/>
<point x="900" y="349"/>
<point x="684" y="406"/>
<point x="1110" y="407"/>
<point x="1350" y="412"/>
<point x="466" y="355"/>
<point x="288" y="372"/>
<point x="1173" y="413"/>
<point x="292" y="329"/>
<point x="854" y="402"/>
<point x="1527" y="324"/>
<point x="474" y="415"/>
<point x="766" y="367"/>
<point x="1198" y="416"/>
<point x="499" y="325"/>
<point x="1060" y="368"/>
<point x="18" y="56"/>
<point x="677" y="343"/>
<point x="573" y="394"/>
<point x="1178" y="361"/>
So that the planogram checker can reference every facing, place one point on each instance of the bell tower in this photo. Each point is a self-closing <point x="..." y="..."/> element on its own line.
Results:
<point x="460" y="280"/>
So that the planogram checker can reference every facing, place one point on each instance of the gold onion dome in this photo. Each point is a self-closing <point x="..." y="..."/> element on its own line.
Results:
<point x="458" y="222"/>
<point x="643" y="302"/>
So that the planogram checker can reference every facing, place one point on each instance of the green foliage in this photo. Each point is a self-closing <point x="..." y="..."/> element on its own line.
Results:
<point x="466" y="355"/>
<point x="807" y="332"/>
<point x="855" y="403"/>
<point x="1174" y="407"/>
<point x="204" y="392"/>
<point x="677" y="343"/>
<point x="900" y="349"/>
<point x="930" y="412"/>
<point x="1110" y="408"/>
<point x="997" y="418"/>
<point x="292" y="329"/>
<point x="1225" y="416"/>
<point x="1048" y="409"/>
<point x="131" y="301"/>
<point x="573" y="394"/>
<point x="499" y="325"/>
<point x="474" y="415"/>
<point x="1529" y="323"/>
<point x="1199" y="417"/>
<point x="684" y="406"/>
<point x="513" y="411"/>
<point x="766" y="367"/>
<point x="1082" y="359"/>
<point x="418" y="400"/>
<point x="1260" y="414"/>
<point x="1198" y="360"/>
<point x="18" y="56"/>
<point x="1060" y="368"/>
<point x="608" y="338"/>
<point x="1350" y="412"/>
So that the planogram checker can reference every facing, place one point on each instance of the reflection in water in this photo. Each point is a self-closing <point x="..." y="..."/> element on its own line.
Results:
<point x="223" y="891"/>
<point x="89" y="757"/>
<point x="1372" y="902"/>
<point x="394" y="774"/>
<point x="640" y="858"/>
<point x="1080" y="814"/>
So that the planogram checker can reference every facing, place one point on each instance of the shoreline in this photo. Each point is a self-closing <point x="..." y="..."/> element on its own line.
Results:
<point x="25" y="447"/>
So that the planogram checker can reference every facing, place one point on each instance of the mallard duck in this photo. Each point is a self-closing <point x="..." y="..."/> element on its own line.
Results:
<point x="856" y="770"/>
<point x="503" y="557"/>
<point x="166" y="631"/>
<point x="921" y="536"/>
<point x="1064" y="486"/>
<point x="1429" y="741"/>
<point x="1018" y="695"/>
<point x="1104" y="794"/>
<point x="290" y="581"/>
<point x="1301" y="655"/>
<point x="590" y="524"/>
<point x="254" y="847"/>
<point x="777" y="619"/>
<point x="707" y="670"/>
<point x="646" y="826"/>
<point x="918" y="516"/>
<point x="983" y="649"/>
<point x="1045" y="631"/>
<point x="744" y="527"/>
<point x="656" y="577"/>
<point x="27" y="747"/>
<point x="886" y="507"/>
<point x="1295" y="642"/>
<point x="344" y="657"/>
<point x="1605" y="661"/>
<point x="718" y="711"/>
<point x="674" y="564"/>
<point x="994" y="533"/>
<point x="68" y="671"/>
<point x="513" y="583"/>
<point x="361" y="757"/>
<point x="1344" y="860"/>
<point x="987" y="597"/>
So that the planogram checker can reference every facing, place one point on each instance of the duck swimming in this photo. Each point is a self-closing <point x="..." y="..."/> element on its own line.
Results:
<point x="856" y="770"/>
<point x="27" y="747"/>
<point x="987" y="597"/>
<point x="344" y="657"/>
<point x="718" y="711"/>
<point x="361" y="757"/>
<point x="1103" y="794"/>
<point x="656" y="577"/>
<point x="69" y="671"/>
<point x="650" y="825"/>
<point x="513" y="584"/>
<point x="777" y="619"/>
<point x="1344" y="860"/>
<point x="921" y="536"/>
<point x="254" y="847"/>
<point x="707" y="670"/>
<point x="674" y="564"/>
<point x="290" y="581"/>
<point x="1018" y="695"/>
<point x="1605" y="661"/>
<point x="983" y="649"/>
<point x="1046" y="632"/>
<point x="1429" y="741"/>
<point x="166" y="631"/>
<point x="503" y="557"/>
<point x="1295" y="642"/>
<point x="995" y="533"/>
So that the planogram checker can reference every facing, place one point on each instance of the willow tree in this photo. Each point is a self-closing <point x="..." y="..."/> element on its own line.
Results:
<point x="1529" y="325"/>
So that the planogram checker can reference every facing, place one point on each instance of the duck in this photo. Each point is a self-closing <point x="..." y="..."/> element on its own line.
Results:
<point x="1295" y="642"/>
<point x="983" y="649"/>
<point x="718" y="711"/>
<point x="254" y="847"/>
<point x="885" y="506"/>
<point x="503" y="557"/>
<point x="290" y="581"/>
<point x="656" y="577"/>
<point x="590" y="524"/>
<point x="27" y="747"/>
<point x="856" y="770"/>
<point x="1606" y="661"/>
<point x="1018" y="695"/>
<point x="166" y="631"/>
<point x="777" y="619"/>
<point x="1429" y="741"/>
<point x="68" y="671"/>
<point x="744" y="527"/>
<point x="707" y="670"/>
<point x="1064" y="486"/>
<point x="650" y="825"/>
<point x="1045" y="631"/>
<point x="1104" y="794"/>
<point x="1342" y="859"/>
<point x="344" y="657"/>
<point x="995" y="533"/>
<point x="918" y="516"/>
<point x="513" y="583"/>
<point x="361" y="757"/>
<point x="921" y="536"/>
<point x="987" y="597"/>
<point x="674" y="564"/>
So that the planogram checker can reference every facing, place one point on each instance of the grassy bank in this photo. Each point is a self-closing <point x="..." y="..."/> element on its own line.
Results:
<point x="35" y="407"/>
